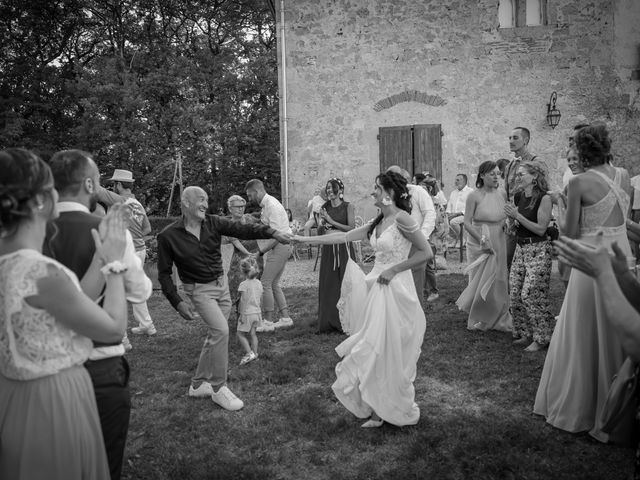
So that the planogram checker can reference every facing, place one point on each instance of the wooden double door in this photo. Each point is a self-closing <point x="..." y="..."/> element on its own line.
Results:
<point x="416" y="148"/>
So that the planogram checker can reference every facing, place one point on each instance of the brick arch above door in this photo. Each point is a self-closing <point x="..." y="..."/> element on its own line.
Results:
<point x="409" y="96"/>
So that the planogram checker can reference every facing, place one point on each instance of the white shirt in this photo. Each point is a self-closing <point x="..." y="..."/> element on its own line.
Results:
<point x="440" y="199"/>
<point x="458" y="200"/>
<point x="635" y="184"/>
<point x="315" y="204"/>
<point x="274" y="215"/>
<point x="422" y="209"/>
<point x="566" y="176"/>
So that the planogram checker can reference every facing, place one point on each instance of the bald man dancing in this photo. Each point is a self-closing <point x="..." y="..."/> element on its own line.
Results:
<point x="192" y="243"/>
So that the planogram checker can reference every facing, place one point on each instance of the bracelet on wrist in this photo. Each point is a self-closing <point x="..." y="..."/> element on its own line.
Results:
<point x="114" y="268"/>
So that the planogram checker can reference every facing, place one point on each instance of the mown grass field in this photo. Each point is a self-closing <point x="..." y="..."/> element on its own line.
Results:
<point x="475" y="391"/>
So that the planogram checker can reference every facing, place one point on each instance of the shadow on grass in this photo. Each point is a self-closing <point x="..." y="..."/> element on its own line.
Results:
<point x="475" y="391"/>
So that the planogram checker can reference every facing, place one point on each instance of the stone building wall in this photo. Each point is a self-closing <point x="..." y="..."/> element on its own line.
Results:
<point x="350" y="64"/>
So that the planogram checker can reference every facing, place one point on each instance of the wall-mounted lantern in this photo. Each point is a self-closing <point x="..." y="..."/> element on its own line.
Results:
<point x="553" y="114"/>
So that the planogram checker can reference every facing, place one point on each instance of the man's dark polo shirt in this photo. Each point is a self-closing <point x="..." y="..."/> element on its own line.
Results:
<point x="199" y="261"/>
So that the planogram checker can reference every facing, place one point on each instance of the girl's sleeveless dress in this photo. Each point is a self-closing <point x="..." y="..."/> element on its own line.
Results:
<point x="486" y="298"/>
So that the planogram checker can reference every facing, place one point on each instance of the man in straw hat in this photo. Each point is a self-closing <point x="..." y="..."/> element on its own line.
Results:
<point x="139" y="227"/>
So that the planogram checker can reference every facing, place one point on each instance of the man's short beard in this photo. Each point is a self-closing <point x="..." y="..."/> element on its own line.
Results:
<point x="93" y="203"/>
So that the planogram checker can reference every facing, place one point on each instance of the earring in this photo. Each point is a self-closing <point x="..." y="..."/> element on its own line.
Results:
<point x="40" y="206"/>
<point x="387" y="200"/>
<point x="534" y="182"/>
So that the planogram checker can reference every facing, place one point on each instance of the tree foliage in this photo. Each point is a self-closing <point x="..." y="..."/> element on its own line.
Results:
<point x="140" y="83"/>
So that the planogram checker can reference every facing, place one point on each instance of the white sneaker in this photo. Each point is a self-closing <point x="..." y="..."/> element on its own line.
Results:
<point x="226" y="399"/>
<point x="204" y="390"/>
<point x="144" y="330"/>
<point x="284" y="322"/>
<point x="266" y="326"/>
<point x="249" y="357"/>
<point x="432" y="297"/>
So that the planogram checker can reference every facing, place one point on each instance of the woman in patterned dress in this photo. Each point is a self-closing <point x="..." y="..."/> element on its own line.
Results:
<point x="46" y="323"/>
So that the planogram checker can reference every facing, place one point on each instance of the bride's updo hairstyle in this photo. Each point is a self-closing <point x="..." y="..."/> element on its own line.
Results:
<point x="401" y="197"/>
<point x="593" y="145"/>
<point x="24" y="175"/>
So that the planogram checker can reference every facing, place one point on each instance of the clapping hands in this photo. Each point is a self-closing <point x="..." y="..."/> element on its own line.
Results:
<point x="510" y="211"/>
<point x="110" y="238"/>
<point x="592" y="260"/>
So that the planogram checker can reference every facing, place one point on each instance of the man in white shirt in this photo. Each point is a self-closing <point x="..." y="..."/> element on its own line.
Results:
<point x="275" y="256"/>
<point x="313" y="210"/>
<point x="139" y="227"/>
<point x="635" y="206"/>
<point x="456" y="206"/>
<point x="424" y="213"/>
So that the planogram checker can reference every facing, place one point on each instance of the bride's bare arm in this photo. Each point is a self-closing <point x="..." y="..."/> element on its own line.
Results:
<point x="359" y="233"/>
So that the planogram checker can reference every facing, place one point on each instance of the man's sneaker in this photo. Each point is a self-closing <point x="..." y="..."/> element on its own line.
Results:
<point x="144" y="330"/>
<point x="284" y="322"/>
<point x="127" y="344"/>
<point x="204" y="390"/>
<point x="266" y="326"/>
<point x="249" y="357"/>
<point x="226" y="399"/>
<point x="432" y="297"/>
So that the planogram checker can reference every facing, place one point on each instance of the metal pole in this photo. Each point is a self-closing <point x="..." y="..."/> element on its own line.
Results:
<point x="283" y="99"/>
<point x="180" y="173"/>
<point x="173" y="184"/>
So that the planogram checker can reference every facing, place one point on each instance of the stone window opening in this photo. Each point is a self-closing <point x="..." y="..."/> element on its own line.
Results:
<point x="522" y="13"/>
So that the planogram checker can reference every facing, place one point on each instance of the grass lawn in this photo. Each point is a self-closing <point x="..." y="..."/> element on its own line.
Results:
<point x="475" y="392"/>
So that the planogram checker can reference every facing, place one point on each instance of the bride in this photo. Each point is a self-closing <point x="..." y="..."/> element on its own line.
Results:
<point x="378" y="367"/>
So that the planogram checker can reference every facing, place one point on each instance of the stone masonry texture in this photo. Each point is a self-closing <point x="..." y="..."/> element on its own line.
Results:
<point x="354" y="66"/>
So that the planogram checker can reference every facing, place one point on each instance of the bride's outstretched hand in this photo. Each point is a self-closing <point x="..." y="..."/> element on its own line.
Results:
<point x="298" y="239"/>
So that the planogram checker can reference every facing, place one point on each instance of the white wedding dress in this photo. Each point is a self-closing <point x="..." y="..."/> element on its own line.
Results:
<point x="378" y="367"/>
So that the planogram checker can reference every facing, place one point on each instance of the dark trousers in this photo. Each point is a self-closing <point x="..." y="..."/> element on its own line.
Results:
<point x="430" y="284"/>
<point x="511" y="250"/>
<point x="110" y="377"/>
<point x="418" y="277"/>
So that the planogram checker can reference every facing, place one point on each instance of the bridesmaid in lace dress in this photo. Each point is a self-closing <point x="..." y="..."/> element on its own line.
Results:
<point x="49" y="426"/>
<point x="585" y="352"/>
<point x="378" y="367"/>
<point x="486" y="298"/>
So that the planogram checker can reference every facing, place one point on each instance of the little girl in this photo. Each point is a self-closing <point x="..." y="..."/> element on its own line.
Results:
<point x="249" y="310"/>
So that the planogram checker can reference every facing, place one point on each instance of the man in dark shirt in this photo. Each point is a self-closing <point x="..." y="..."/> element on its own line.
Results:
<point x="193" y="245"/>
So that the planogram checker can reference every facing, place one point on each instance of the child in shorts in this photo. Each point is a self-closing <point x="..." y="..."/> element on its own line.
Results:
<point x="249" y="309"/>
